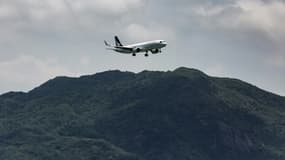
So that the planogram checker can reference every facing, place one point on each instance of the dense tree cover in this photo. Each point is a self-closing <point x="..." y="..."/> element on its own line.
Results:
<point x="182" y="114"/>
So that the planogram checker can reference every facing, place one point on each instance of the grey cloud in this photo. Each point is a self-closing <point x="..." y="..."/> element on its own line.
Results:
<point x="217" y="36"/>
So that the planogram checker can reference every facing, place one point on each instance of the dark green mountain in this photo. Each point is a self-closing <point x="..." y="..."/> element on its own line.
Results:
<point x="178" y="115"/>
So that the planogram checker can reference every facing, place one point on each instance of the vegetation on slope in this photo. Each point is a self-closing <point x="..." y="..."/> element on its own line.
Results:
<point x="181" y="114"/>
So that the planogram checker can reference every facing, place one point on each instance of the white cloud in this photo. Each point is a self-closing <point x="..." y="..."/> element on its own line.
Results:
<point x="73" y="30"/>
<point x="216" y="70"/>
<point x="265" y="16"/>
<point x="63" y="14"/>
<point x="59" y="6"/>
<point x="106" y="6"/>
<point x="85" y="61"/>
<point x="46" y="21"/>
<point x="7" y="11"/>
<point x="207" y="10"/>
<point x="137" y="32"/>
<point x="276" y="60"/>
<point x="26" y="72"/>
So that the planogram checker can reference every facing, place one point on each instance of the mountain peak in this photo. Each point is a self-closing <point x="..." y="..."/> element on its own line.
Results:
<point x="181" y="114"/>
<point x="189" y="72"/>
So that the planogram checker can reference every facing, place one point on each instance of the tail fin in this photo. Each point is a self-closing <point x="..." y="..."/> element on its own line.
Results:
<point x="117" y="41"/>
<point x="107" y="44"/>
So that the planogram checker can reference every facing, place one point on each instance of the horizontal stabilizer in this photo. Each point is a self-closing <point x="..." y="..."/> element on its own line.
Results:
<point x="107" y="44"/>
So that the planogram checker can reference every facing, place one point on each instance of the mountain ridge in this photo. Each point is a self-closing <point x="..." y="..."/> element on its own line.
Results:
<point x="177" y="70"/>
<point x="180" y="114"/>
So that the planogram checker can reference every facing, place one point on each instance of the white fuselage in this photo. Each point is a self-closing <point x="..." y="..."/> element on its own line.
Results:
<point x="144" y="46"/>
<point x="152" y="46"/>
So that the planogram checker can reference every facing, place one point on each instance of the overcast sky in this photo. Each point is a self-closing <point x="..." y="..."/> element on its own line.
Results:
<point x="42" y="39"/>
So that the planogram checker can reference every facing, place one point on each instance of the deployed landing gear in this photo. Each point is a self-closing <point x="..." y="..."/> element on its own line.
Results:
<point x="134" y="54"/>
<point x="146" y="54"/>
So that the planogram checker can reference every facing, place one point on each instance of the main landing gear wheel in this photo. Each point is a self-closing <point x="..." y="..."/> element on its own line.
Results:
<point x="146" y="54"/>
<point x="134" y="54"/>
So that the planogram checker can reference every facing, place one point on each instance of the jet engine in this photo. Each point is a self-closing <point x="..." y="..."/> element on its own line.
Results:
<point x="137" y="50"/>
<point x="155" y="51"/>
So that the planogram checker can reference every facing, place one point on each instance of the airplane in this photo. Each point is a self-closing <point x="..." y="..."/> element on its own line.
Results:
<point x="153" y="46"/>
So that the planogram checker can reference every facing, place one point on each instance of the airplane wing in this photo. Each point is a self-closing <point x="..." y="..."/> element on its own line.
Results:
<point x="125" y="48"/>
